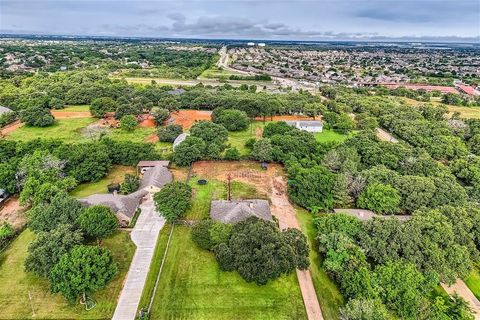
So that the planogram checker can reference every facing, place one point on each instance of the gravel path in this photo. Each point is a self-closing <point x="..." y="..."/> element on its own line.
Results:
<point x="284" y="211"/>
<point x="144" y="235"/>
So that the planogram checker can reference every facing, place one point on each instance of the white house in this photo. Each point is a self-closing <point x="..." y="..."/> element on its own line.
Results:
<point x="307" y="125"/>
<point x="251" y="44"/>
<point x="261" y="44"/>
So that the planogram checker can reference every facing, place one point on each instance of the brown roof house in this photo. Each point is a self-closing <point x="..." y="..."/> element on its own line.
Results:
<point x="233" y="211"/>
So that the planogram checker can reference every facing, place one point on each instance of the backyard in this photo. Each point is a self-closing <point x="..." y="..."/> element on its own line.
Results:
<point x="115" y="175"/>
<point x="329" y="135"/>
<point x="193" y="287"/>
<point x="26" y="296"/>
<point x="473" y="282"/>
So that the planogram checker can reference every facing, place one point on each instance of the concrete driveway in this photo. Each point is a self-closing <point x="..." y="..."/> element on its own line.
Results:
<point x="144" y="235"/>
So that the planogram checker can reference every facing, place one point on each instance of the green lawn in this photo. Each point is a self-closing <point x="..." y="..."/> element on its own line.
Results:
<point x="327" y="291"/>
<point x="137" y="135"/>
<point x="213" y="190"/>
<point x="77" y="108"/>
<point x="115" y="175"/>
<point x="238" y="139"/>
<point x="193" y="287"/>
<point x="16" y="285"/>
<point x="329" y="135"/>
<point x="473" y="282"/>
<point x="64" y="129"/>
<point x="215" y="73"/>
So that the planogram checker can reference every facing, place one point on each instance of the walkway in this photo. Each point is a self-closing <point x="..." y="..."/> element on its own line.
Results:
<point x="285" y="212"/>
<point x="463" y="291"/>
<point x="385" y="136"/>
<point x="144" y="235"/>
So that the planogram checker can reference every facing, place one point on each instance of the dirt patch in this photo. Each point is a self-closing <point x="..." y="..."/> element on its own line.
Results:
<point x="61" y="114"/>
<point x="13" y="213"/>
<point x="147" y="122"/>
<point x="153" y="138"/>
<point x="258" y="133"/>
<point x="107" y="123"/>
<point x="186" y="118"/>
<point x="11" y="127"/>
<point x="179" y="174"/>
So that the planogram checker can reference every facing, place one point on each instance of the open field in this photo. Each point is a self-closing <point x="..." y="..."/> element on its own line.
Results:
<point x="16" y="285"/>
<point x="115" y="175"/>
<point x="473" y="282"/>
<point x="328" y="294"/>
<point x="65" y="129"/>
<point x="465" y="112"/>
<point x="216" y="73"/>
<point x="237" y="139"/>
<point x="193" y="287"/>
<point x="76" y="108"/>
<point x="329" y="135"/>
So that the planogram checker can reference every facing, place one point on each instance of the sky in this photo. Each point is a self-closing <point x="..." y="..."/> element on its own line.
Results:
<point x="422" y="20"/>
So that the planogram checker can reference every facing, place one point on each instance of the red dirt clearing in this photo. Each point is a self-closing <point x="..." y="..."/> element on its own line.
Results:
<point x="147" y="122"/>
<point x="153" y="138"/>
<point x="186" y="118"/>
<point x="13" y="213"/>
<point x="60" y="114"/>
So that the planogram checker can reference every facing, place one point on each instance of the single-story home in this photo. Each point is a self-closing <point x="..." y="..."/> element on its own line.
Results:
<point x="181" y="137"/>
<point x="155" y="178"/>
<point x="143" y="166"/>
<point x="307" y="125"/>
<point x="233" y="211"/>
<point x="124" y="206"/>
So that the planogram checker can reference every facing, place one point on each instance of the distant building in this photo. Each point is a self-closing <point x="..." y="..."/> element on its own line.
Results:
<point x="238" y="210"/>
<point x="181" y="137"/>
<point x="63" y="68"/>
<point x="467" y="89"/>
<point x="251" y="44"/>
<point x="261" y="44"/>
<point x="307" y="125"/>
<point x="176" y="92"/>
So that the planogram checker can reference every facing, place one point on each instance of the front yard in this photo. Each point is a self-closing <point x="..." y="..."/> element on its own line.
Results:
<point x="26" y="296"/>
<point x="193" y="287"/>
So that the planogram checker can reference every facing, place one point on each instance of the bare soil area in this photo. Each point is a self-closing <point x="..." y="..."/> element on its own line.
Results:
<point x="61" y="114"/>
<point x="13" y="213"/>
<point x="11" y="127"/>
<point x="186" y="118"/>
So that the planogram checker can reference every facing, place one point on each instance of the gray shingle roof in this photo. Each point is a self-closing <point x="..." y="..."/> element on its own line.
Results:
<point x="163" y="163"/>
<point x="125" y="205"/>
<point x="238" y="210"/>
<point x="157" y="177"/>
<point x="4" y="110"/>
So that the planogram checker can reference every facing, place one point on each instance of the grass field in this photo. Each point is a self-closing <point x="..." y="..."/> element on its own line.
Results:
<point x="465" y="112"/>
<point x="193" y="287"/>
<point x="115" y="175"/>
<point x="473" y="282"/>
<point x="216" y="73"/>
<point x="237" y="139"/>
<point x="329" y="135"/>
<point x="70" y="130"/>
<point x="327" y="291"/>
<point x="64" y="129"/>
<point x="16" y="285"/>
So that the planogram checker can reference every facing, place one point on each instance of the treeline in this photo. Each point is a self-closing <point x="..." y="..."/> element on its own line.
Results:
<point x="257" y="77"/>
<point x="40" y="169"/>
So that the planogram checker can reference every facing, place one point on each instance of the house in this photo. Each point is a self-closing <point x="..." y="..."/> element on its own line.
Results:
<point x="143" y="166"/>
<point x="4" y="110"/>
<point x="181" y="137"/>
<point x="233" y="211"/>
<point x="307" y="125"/>
<point x="250" y="44"/>
<point x="123" y="206"/>
<point x="155" y="178"/>
<point x="176" y="92"/>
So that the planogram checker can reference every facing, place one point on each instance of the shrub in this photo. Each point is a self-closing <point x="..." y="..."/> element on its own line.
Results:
<point x="173" y="200"/>
<point x="201" y="234"/>
<point x="232" y="119"/>
<point x="169" y="133"/>
<point x="130" y="184"/>
<point x="262" y="150"/>
<point x="232" y="154"/>
<point x="37" y="117"/>
<point x="128" y="122"/>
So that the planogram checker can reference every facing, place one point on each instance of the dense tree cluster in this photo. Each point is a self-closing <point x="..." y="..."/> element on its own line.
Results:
<point x="231" y="119"/>
<point x="255" y="248"/>
<point x="387" y="263"/>
<point x="173" y="200"/>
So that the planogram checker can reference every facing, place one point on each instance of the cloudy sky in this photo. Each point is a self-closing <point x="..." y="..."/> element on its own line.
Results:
<point x="448" y="20"/>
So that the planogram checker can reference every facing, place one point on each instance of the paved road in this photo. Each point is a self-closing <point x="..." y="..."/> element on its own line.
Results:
<point x="144" y="235"/>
